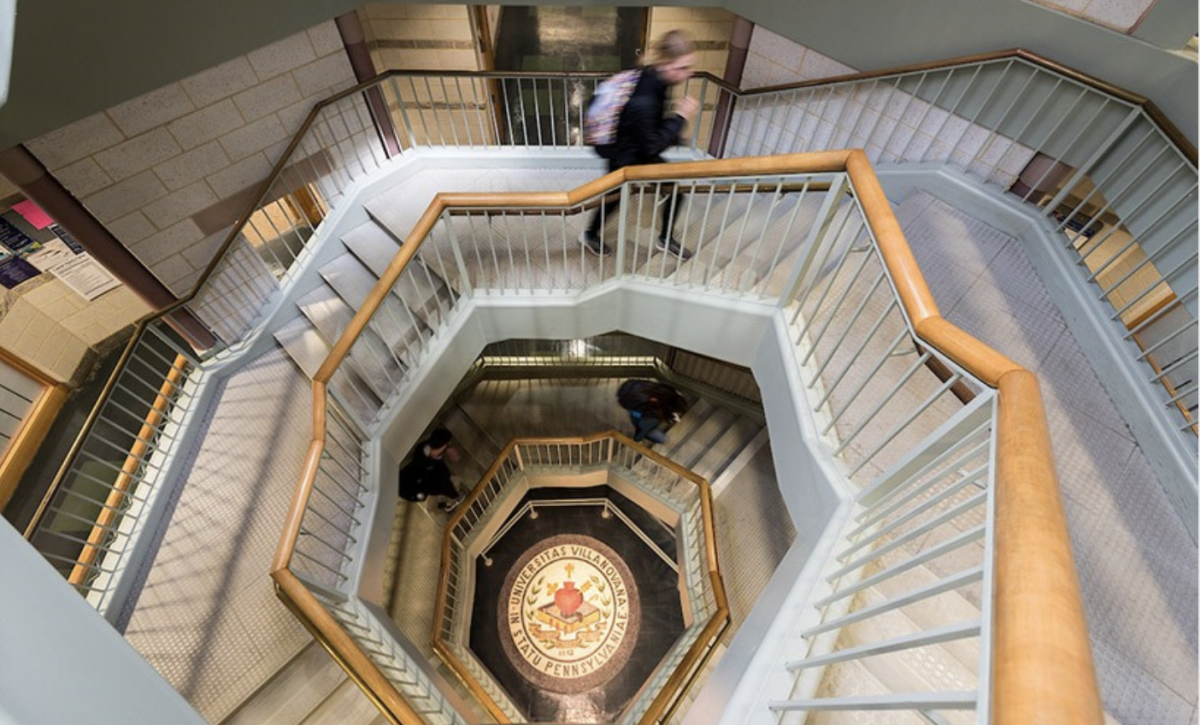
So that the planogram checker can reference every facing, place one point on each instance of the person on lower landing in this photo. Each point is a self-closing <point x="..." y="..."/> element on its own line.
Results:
<point x="646" y="130"/>
<point x="427" y="474"/>
<point x="653" y="408"/>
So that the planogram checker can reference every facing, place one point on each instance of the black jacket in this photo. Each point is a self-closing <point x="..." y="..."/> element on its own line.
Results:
<point x="644" y="133"/>
<point x="425" y="476"/>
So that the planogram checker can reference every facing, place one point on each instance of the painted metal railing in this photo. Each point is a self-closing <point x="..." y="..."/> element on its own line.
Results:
<point x="340" y="145"/>
<point x="313" y="569"/>
<point x="813" y="236"/>
<point x="526" y="464"/>
<point x="109" y="488"/>
<point x="1114" y="181"/>
<point x="1108" y="174"/>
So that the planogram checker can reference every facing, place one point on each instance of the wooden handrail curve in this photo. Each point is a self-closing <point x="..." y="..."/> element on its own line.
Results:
<point x="717" y="621"/>
<point x="1022" y="449"/>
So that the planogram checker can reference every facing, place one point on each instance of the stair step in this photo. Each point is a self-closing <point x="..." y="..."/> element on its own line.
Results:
<point x="308" y="349"/>
<point x="304" y="344"/>
<point x="741" y="433"/>
<point x="768" y="243"/>
<point x="293" y="692"/>
<point x="347" y="705"/>
<point x="420" y="290"/>
<point x="369" y="357"/>
<point x="394" y="324"/>
<point x="851" y="679"/>
<point x="931" y="613"/>
<point x="927" y="669"/>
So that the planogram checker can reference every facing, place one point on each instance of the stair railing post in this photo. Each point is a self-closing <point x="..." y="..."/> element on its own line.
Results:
<point x="464" y="276"/>
<point x="621" y="230"/>
<point x="1086" y="167"/>
<point x="816" y="235"/>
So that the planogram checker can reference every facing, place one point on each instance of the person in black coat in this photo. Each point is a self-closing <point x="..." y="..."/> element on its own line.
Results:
<point x="645" y="130"/>
<point x="427" y="473"/>
<point x="653" y="408"/>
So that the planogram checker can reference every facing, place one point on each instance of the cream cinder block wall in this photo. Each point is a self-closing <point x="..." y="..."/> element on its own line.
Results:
<point x="710" y="29"/>
<point x="50" y="327"/>
<point x="168" y="172"/>
<point x="774" y="60"/>
<point x="419" y="37"/>
<point x="46" y="324"/>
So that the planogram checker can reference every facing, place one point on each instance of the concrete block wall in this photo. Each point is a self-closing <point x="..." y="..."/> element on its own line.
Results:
<point x="169" y="171"/>
<point x="55" y="330"/>
<point x="773" y="60"/>
<point x="419" y="37"/>
<point x="710" y="29"/>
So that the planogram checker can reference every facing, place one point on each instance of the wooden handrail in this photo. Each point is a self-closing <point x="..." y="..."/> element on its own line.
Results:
<point x="133" y="460"/>
<point x="1041" y="657"/>
<point x="893" y="247"/>
<point x="19" y="452"/>
<point x="1023" y="451"/>
<point x="334" y="638"/>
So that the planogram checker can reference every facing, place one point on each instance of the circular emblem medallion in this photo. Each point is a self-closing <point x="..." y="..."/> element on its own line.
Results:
<point x="570" y="618"/>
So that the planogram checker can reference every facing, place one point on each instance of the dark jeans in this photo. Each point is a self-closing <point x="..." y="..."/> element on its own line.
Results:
<point x="609" y="208"/>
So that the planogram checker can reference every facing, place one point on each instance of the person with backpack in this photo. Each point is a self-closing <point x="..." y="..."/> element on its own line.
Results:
<point x="427" y="474"/>
<point x="640" y="130"/>
<point x="653" y="408"/>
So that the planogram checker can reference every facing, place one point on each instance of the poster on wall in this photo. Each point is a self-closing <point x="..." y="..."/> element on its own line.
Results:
<point x="85" y="276"/>
<point x="14" y="239"/>
<point x="14" y="271"/>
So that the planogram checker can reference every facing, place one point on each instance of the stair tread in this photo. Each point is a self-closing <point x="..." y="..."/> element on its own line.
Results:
<point x="304" y="344"/>
<point x="347" y="705"/>
<point x="353" y="282"/>
<point x="375" y="248"/>
<point x="331" y="316"/>
<point x="293" y="692"/>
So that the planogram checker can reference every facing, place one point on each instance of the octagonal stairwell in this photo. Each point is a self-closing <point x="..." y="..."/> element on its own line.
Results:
<point x="1053" y="338"/>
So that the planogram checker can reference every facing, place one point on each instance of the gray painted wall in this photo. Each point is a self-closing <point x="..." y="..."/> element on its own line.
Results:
<point x="74" y="58"/>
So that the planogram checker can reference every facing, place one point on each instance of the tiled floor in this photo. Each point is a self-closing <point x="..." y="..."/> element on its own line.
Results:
<point x="208" y="619"/>
<point x="210" y="623"/>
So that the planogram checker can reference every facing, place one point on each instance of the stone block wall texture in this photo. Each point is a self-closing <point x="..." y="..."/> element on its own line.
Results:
<point x="53" y="329"/>
<point x="419" y="37"/>
<point x="1120" y="15"/>
<point x="710" y="29"/>
<point x="169" y="172"/>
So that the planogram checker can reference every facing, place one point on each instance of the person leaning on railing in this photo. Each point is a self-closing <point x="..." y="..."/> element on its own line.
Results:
<point x="645" y="130"/>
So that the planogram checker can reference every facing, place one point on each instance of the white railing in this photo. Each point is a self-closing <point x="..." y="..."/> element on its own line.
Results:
<point x="313" y="571"/>
<point x="1105" y="176"/>
<point x="810" y="236"/>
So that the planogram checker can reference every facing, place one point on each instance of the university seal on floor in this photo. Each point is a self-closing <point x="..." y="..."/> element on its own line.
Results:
<point x="569" y="615"/>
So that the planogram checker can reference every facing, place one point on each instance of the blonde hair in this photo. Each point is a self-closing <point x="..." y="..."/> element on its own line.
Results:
<point x="672" y="45"/>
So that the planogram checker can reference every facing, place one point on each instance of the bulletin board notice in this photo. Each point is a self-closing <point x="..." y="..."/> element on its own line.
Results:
<point x="86" y="277"/>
